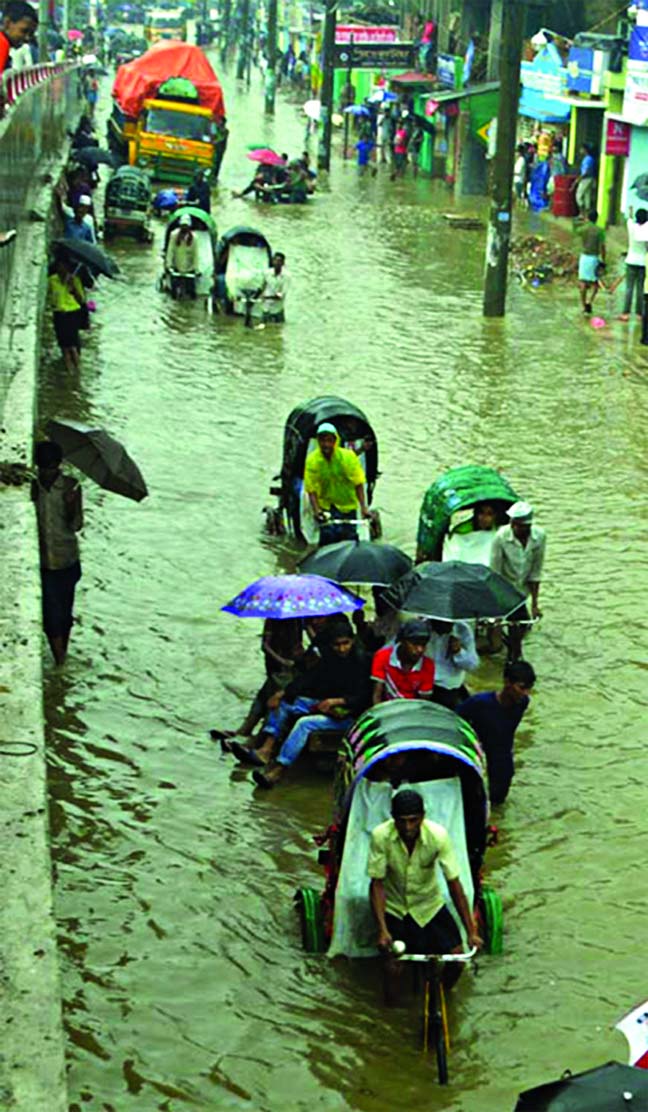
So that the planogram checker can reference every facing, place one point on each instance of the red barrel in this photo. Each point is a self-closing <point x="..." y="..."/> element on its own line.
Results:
<point x="564" y="197"/>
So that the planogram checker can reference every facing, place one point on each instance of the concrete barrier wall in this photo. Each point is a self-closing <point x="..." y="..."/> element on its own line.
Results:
<point x="33" y="140"/>
<point x="33" y="150"/>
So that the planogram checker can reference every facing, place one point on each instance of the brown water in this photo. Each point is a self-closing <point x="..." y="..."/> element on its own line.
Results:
<point x="185" y="985"/>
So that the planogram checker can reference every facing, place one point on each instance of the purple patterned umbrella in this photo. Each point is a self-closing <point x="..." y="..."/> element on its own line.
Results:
<point x="292" y="596"/>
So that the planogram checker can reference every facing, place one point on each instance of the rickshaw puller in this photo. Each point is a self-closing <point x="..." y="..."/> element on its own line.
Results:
<point x="406" y="899"/>
<point x="334" y="482"/>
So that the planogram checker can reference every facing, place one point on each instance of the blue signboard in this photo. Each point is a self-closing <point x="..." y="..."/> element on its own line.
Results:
<point x="543" y="81"/>
<point x="638" y="47"/>
<point x="447" y="70"/>
<point x="580" y="69"/>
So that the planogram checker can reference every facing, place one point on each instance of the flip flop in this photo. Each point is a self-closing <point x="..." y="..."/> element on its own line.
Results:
<point x="245" y="755"/>
<point x="261" y="780"/>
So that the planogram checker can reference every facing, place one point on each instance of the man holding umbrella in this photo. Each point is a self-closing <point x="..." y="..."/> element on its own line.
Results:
<point x="59" y="513"/>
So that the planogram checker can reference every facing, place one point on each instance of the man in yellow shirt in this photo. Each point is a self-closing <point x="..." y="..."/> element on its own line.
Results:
<point x="334" y="482"/>
<point x="405" y="895"/>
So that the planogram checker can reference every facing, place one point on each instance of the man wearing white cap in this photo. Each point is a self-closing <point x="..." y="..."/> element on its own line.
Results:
<point x="79" y="224"/>
<point x="182" y="254"/>
<point x="334" y="482"/>
<point x="518" y="554"/>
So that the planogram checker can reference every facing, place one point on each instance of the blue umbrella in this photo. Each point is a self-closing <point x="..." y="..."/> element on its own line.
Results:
<point x="292" y="596"/>
<point x="165" y="199"/>
<point x="358" y="110"/>
<point x="381" y="96"/>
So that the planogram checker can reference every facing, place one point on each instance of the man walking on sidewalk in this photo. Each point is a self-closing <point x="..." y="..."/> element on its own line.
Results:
<point x="635" y="270"/>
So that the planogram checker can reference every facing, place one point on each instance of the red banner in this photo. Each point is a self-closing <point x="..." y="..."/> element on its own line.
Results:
<point x="617" y="138"/>
<point x="343" y="33"/>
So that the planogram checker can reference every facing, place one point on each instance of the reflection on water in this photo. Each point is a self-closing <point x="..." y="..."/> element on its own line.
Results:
<point x="185" y="985"/>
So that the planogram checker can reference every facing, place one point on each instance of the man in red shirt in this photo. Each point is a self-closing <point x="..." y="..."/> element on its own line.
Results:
<point x="402" y="671"/>
<point x="19" y="22"/>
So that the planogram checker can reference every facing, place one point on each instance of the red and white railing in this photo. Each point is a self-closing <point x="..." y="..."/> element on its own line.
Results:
<point x="14" y="83"/>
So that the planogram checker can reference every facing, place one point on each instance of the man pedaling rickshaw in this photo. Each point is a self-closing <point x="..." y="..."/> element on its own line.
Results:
<point x="405" y="896"/>
<point x="182" y="258"/>
<point x="328" y="696"/>
<point x="334" y="482"/>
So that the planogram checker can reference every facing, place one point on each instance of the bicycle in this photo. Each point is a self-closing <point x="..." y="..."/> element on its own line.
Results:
<point x="435" y="1012"/>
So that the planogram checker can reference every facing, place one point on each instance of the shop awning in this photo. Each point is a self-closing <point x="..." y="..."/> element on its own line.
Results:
<point x="425" y="80"/>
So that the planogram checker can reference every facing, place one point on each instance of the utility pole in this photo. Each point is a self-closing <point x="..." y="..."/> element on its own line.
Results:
<point x="499" y="228"/>
<point x="243" y="40"/>
<point x="326" y="96"/>
<point x="346" y="101"/>
<point x="43" y="23"/>
<point x="224" y="30"/>
<point x="271" y="58"/>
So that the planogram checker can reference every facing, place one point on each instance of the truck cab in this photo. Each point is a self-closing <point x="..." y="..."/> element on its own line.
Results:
<point x="172" y="140"/>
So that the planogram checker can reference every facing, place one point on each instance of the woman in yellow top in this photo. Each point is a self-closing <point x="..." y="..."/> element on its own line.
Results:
<point x="334" y="482"/>
<point x="67" y="297"/>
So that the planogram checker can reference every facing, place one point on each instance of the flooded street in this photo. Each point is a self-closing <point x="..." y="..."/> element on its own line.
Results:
<point x="185" y="984"/>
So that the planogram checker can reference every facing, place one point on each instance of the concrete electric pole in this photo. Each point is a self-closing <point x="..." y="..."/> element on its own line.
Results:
<point x="499" y="228"/>
<point x="271" y="58"/>
<point x="326" y="95"/>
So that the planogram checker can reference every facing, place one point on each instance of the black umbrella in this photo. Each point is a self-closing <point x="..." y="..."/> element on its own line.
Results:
<point x="608" y="1088"/>
<point x="453" y="591"/>
<point x="358" y="562"/>
<point x="93" y="156"/>
<point x="102" y="458"/>
<point x="96" y="260"/>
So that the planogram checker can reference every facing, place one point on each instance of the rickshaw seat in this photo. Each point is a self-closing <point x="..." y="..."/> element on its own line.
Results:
<point x="246" y="268"/>
<point x="354" y="927"/>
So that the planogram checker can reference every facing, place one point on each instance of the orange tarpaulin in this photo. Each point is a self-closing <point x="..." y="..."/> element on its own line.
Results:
<point x="140" y="79"/>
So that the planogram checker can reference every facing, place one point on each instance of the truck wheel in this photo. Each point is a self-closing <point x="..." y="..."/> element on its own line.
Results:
<point x="311" y="920"/>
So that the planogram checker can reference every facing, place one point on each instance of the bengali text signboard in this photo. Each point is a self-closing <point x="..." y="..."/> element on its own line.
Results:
<point x="617" y="138"/>
<point x="375" y="56"/>
<point x="379" y="33"/>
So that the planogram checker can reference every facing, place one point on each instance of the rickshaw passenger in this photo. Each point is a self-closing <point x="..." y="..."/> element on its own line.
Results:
<point x="403" y="671"/>
<point x="334" y="482"/>
<point x="405" y="896"/>
<point x="452" y="648"/>
<point x="336" y="689"/>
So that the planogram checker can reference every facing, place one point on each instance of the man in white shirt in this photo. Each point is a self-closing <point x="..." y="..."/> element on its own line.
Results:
<point x="635" y="270"/>
<point x="273" y="294"/>
<point x="452" y="648"/>
<point x="518" y="555"/>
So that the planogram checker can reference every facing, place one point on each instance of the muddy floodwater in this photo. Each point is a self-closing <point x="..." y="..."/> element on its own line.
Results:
<point x="184" y="981"/>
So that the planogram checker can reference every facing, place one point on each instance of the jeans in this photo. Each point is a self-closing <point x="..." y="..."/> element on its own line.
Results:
<point x="634" y="283"/>
<point x="279" y="720"/>
<point x="298" y="736"/>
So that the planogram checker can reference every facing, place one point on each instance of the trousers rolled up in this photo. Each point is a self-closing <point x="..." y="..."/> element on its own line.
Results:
<point x="634" y="283"/>
<point x="298" y="737"/>
<point x="279" y="721"/>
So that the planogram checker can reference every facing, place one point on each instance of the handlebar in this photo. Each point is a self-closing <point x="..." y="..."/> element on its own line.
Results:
<point x="442" y="958"/>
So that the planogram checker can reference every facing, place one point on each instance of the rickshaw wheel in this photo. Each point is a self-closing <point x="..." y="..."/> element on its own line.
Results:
<point x="311" y="920"/>
<point x="493" y="919"/>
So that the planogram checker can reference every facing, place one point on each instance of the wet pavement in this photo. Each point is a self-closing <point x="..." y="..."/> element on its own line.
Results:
<point x="185" y="984"/>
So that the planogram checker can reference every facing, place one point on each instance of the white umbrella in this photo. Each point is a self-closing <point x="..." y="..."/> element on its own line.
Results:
<point x="313" y="109"/>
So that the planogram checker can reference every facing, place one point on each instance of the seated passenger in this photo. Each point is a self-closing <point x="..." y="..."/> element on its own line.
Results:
<point x="328" y="696"/>
<point x="452" y="648"/>
<point x="484" y="517"/>
<point x="405" y="896"/>
<point x="403" y="671"/>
